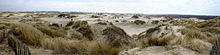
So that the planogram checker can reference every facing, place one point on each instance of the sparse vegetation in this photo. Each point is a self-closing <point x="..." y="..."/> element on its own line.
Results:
<point x="55" y="24"/>
<point x="124" y="21"/>
<point x="70" y="23"/>
<point x="139" y="22"/>
<point x="155" y="22"/>
<point x="95" y="16"/>
<point x="136" y="16"/>
<point x="102" y="23"/>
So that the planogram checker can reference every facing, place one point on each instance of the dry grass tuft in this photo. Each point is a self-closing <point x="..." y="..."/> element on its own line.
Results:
<point x="208" y="23"/>
<point x="64" y="46"/>
<point x="155" y="41"/>
<point x="192" y="33"/>
<point x="28" y="34"/>
<point x="212" y="38"/>
<point x="97" y="48"/>
<point x="58" y="32"/>
<point x="59" y="45"/>
<point x="76" y="35"/>
<point x="214" y="30"/>
<point x="194" y="44"/>
<point x="165" y="40"/>
<point x="142" y="43"/>
<point x="195" y="40"/>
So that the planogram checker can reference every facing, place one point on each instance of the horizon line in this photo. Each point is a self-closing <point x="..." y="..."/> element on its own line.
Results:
<point x="121" y="13"/>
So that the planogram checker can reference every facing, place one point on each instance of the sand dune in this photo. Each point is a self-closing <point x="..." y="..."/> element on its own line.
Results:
<point x="107" y="34"/>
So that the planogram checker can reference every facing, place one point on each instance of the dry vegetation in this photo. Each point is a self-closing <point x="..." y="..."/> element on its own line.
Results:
<point x="55" y="32"/>
<point x="33" y="36"/>
<point x="28" y="34"/>
<point x="139" y="22"/>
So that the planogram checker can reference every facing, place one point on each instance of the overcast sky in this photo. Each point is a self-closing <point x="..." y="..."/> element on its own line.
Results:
<point x="199" y="7"/>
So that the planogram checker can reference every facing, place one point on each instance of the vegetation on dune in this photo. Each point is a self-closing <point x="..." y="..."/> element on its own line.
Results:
<point x="182" y="22"/>
<point x="115" y="36"/>
<point x="214" y="30"/>
<point x="70" y="23"/>
<point x="18" y="47"/>
<point x="102" y="23"/>
<point x="95" y="16"/>
<point x="84" y="29"/>
<point x="155" y="41"/>
<point x="139" y="22"/>
<point x="190" y="33"/>
<point x="155" y="22"/>
<point x="124" y="21"/>
<point x="51" y="31"/>
<point x="27" y="34"/>
<point x="136" y="16"/>
<point x="77" y="35"/>
<point x="97" y="48"/>
<point x="33" y="20"/>
<point x="59" y="45"/>
<point x="65" y="46"/>
<point x="148" y="32"/>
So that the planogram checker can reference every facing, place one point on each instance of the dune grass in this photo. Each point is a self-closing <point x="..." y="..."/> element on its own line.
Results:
<point x="214" y="30"/>
<point x="59" y="45"/>
<point x="155" y="41"/>
<point x="28" y="34"/>
<point x="76" y="35"/>
<point x="97" y="48"/>
<point x="195" y="39"/>
<point x="139" y="22"/>
<point x="56" y="32"/>
<point x="192" y="33"/>
<point x="65" y="46"/>
<point x="213" y="38"/>
<point x="194" y="44"/>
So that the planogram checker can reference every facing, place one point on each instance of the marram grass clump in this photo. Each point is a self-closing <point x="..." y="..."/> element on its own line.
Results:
<point x="28" y="34"/>
<point x="56" y="32"/>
